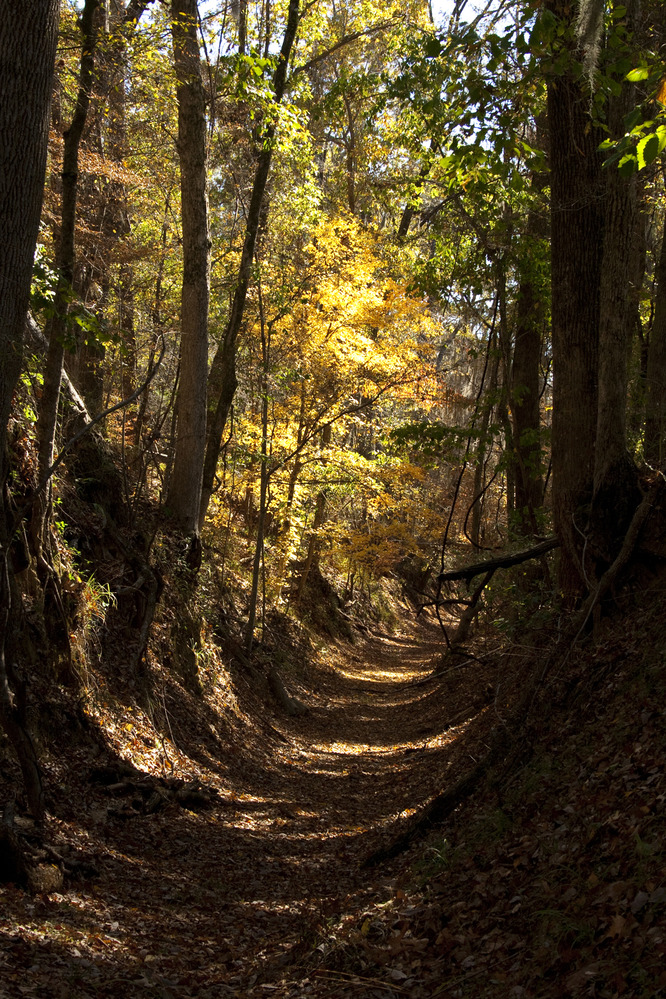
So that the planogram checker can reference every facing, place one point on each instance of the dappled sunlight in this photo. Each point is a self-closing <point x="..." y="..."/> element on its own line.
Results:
<point x="215" y="895"/>
<point x="400" y="674"/>
<point x="360" y="749"/>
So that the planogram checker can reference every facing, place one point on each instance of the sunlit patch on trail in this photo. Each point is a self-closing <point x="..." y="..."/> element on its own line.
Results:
<point x="370" y="673"/>
<point x="364" y="748"/>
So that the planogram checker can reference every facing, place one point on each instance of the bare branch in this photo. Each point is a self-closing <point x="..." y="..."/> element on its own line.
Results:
<point x="345" y="40"/>
<point x="503" y="562"/>
<point x="101" y="416"/>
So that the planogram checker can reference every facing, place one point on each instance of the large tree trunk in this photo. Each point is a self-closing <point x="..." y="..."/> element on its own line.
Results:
<point x="577" y="217"/>
<point x="186" y="477"/>
<point x="28" y="34"/>
<point x="616" y="493"/>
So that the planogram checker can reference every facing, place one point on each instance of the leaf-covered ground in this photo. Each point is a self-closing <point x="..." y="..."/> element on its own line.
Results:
<point x="551" y="881"/>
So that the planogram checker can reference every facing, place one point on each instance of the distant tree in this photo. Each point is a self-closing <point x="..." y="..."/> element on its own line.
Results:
<point x="222" y="379"/>
<point x="65" y="258"/>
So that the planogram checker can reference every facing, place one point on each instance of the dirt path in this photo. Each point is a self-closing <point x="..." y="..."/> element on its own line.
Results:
<point x="230" y="901"/>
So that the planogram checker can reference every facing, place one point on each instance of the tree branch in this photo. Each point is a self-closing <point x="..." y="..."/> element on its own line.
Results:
<point x="102" y="416"/>
<point x="503" y="562"/>
<point x="345" y="40"/>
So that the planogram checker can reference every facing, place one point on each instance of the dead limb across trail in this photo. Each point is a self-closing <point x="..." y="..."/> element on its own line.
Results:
<point x="504" y="562"/>
<point x="512" y="733"/>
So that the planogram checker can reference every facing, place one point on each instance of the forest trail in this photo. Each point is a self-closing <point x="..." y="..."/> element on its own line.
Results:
<point x="231" y="900"/>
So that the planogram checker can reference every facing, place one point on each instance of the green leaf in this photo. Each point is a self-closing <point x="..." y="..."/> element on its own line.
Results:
<point x="628" y="165"/>
<point x="640" y="73"/>
<point x="632" y="119"/>
<point x="647" y="150"/>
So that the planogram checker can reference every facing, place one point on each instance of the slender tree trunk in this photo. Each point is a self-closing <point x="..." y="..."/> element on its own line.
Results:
<point x="312" y="557"/>
<point x="264" y="479"/>
<point x="57" y="327"/>
<point x="28" y="35"/>
<point x="504" y="343"/>
<point x="127" y="329"/>
<point x="118" y="23"/>
<point x="184" y="496"/>
<point x="242" y="26"/>
<point x="296" y="468"/>
<point x="223" y="381"/>
<point x="525" y="394"/>
<point x="481" y="449"/>
<point x="156" y="318"/>
<point x="655" y="402"/>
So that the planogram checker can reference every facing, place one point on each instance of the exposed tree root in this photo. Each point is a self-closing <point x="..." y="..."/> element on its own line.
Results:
<point x="25" y="859"/>
<point x="291" y="705"/>
<point x="609" y="578"/>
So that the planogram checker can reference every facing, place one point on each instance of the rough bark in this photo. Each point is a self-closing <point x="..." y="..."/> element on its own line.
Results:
<point x="525" y="375"/>
<point x="655" y="403"/>
<point x="577" y="218"/>
<point x="616" y="492"/>
<point x="28" y="34"/>
<point x="184" y="495"/>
